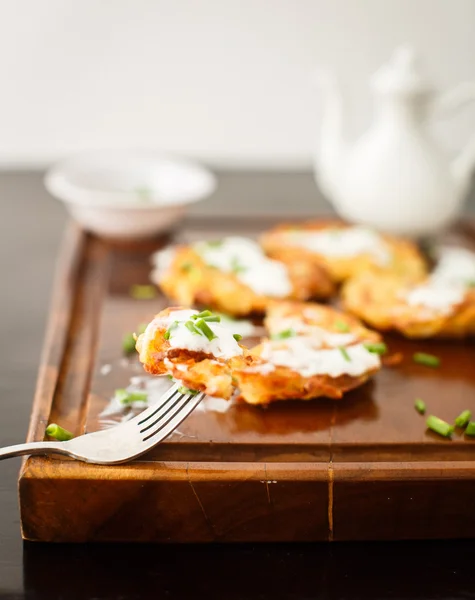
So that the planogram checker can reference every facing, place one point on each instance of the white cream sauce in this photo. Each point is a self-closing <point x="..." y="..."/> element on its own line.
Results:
<point x="246" y="260"/>
<point x="162" y="261"/>
<point x="320" y="337"/>
<point x="222" y="346"/>
<point x="439" y="296"/>
<point x="300" y="355"/>
<point x="455" y="265"/>
<point x="345" y="242"/>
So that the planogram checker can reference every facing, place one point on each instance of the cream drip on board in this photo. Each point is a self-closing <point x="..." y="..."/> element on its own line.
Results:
<point x="345" y="242"/>
<point x="246" y="260"/>
<point x="300" y="354"/>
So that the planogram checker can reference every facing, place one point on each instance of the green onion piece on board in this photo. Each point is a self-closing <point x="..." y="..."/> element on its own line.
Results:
<point x="205" y="328"/>
<point x="128" y="341"/>
<point x="439" y="426"/>
<point x="470" y="429"/>
<point x="125" y="397"/>
<point x="143" y="292"/>
<point x="344" y="353"/>
<point x="284" y="335"/>
<point x="463" y="419"/>
<point x="342" y="326"/>
<point x="58" y="433"/>
<point x="185" y="390"/>
<point x="376" y="347"/>
<point x="428" y="360"/>
<point x="420" y="406"/>
<point x="237" y="337"/>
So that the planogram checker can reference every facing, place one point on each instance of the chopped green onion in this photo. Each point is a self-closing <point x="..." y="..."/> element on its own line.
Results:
<point x="439" y="426"/>
<point x="191" y="327"/>
<point x="470" y="283"/>
<point x="213" y="319"/>
<point x="344" y="353"/>
<point x="168" y="332"/>
<point x="186" y="267"/>
<point x="428" y="360"/>
<point x="463" y="419"/>
<point x="170" y="377"/>
<point x="128" y="341"/>
<point x="283" y="335"/>
<point x="57" y="432"/>
<point x="202" y="314"/>
<point x="237" y="337"/>
<point x="125" y="397"/>
<point x="342" y="326"/>
<point x="185" y="390"/>
<point x="214" y="243"/>
<point x="143" y="292"/>
<point x="202" y="325"/>
<point x="470" y="429"/>
<point x="376" y="347"/>
<point x="420" y="406"/>
<point x="236" y="266"/>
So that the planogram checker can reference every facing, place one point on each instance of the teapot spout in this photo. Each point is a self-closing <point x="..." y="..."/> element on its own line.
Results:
<point x="329" y="154"/>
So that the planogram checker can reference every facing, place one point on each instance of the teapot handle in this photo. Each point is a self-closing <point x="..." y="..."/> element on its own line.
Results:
<point x="449" y="102"/>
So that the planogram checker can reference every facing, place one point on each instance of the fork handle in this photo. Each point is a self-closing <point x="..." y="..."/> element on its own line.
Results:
<point x="33" y="448"/>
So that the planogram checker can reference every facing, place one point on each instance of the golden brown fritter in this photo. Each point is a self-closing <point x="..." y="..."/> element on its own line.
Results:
<point x="349" y="250"/>
<point x="186" y="278"/>
<point x="314" y="351"/>
<point x="447" y="310"/>
<point x="168" y="347"/>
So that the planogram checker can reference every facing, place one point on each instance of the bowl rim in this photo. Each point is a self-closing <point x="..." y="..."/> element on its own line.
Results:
<point x="60" y="187"/>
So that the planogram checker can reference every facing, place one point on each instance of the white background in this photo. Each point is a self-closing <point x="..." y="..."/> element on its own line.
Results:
<point x="227" y="81"/>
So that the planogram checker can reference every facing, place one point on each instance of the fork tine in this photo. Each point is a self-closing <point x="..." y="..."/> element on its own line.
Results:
<point x="147" y="414"/>
<point x="185" y="407"/>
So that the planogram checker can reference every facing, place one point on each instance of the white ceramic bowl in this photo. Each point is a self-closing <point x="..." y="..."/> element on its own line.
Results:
<point x="128" y="194"/>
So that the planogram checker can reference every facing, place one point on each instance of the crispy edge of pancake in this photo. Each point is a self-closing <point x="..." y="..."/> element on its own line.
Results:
<point x="374" y="299"/>
<point x="190" y="281"/>
<point x="283" y="383"/>
<point x="408" y="261"/>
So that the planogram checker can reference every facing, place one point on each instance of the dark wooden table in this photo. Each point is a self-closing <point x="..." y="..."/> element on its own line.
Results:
<point x="31" y="226"/>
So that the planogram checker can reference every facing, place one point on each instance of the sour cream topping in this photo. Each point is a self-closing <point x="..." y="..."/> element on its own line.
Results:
<point x="439" y="296"/>
<point x="246" y="260"/>
<point x="301" y="355"/>
<point x="455" y="265"/>
<point x="320" y="336"/>
<point x="222" y="346"/>
<point x="347" y="242"/>
<point x="162" y="261"/>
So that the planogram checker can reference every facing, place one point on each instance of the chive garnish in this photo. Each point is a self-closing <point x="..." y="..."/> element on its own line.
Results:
<point x="439" y="426"/>
<point x="236" y="266"/>
<point x="204" y="327"/>
<point x="420" y="406"/>
<point x="344" y="353"/>
<point x="128" y="341"/>
<point x="202" y="314"/>
<point x="191" y="327"/>
<point x="428" y="360"/>
<point x="170" y="377"/>
<point x="283" y="335"/>
<point x="58" y="433"/>
<point x="237" y="337"/>
<point x="125" y="397"/>
<point x="214" y="243"/>
<point x="376" y="347"/>
<point x="212" y="319"/>
<point x="186" y="390"/>
<point x="342" y="326"/>
<point x="463" y="419"/>
<point x="186" y="267"/>
<point x="470" y="429"/>
<point x="143" y="292"/>
<point x="168" y="332"/>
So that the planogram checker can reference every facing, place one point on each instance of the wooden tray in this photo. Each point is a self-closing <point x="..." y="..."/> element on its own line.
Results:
<point x="361" y="468"/>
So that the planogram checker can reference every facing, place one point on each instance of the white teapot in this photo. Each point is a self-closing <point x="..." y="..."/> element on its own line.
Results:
<point x="395" y="177"/>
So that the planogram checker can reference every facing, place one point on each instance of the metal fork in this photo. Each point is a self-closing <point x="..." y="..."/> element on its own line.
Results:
<point x="124" y="442"/>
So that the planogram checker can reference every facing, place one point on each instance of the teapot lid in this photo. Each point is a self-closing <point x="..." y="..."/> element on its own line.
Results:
<point x="401" y="75"/>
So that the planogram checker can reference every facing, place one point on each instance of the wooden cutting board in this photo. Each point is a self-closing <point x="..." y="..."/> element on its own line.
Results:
<point x="363" y="468"/>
